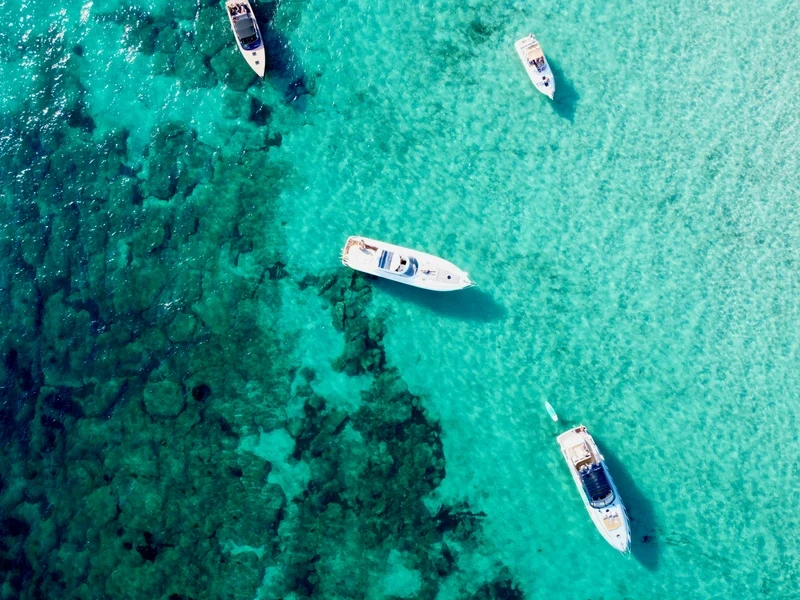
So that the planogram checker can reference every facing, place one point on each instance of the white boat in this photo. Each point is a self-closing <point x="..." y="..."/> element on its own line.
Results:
<point x="596" y="487"/>
<point x="247" y="34"/>
<point x="403" y="265"/>
<point x="530" y="52"/>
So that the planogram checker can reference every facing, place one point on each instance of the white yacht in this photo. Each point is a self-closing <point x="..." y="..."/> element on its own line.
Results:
<point x="403" y="265"/>
<point x="247" y="34"/>
<point x="530" y="52"/>
<point x="596" y="487"/>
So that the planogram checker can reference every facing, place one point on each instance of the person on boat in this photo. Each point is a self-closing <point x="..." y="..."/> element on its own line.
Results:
<point x="362" y="245"/>
<point x="402" y="266"/>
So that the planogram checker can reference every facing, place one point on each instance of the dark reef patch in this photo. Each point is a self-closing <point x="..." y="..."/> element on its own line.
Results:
<point x="260" y="113"/>
<point x="502" y="588"/>
<point x="14" y="527"/>
<point x="148" y="553"/>
<point x="106" y="339"/>
<point x="479" y="32"/>
<point x="349" y="293"/>
<point x="368" y="495"/>
<point x="453" y="518"/>
<point x="201" y="392"/>
<point x="137" y="358"/>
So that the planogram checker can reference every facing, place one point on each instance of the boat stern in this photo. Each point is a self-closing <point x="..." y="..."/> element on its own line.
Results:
<point x="351" y="241"/>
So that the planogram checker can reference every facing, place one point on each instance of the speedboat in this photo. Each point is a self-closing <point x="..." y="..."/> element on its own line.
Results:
<point x="596" y="487"/>
<point x="530" y="52"/>
<point x="247" y="34"/>
<point x="403" y="265"/>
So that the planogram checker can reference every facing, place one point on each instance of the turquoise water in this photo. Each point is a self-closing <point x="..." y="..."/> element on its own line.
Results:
<point x="199" y="401"/>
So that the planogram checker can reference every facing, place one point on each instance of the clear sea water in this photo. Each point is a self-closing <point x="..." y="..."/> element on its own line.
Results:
<point x="635" y="244"/>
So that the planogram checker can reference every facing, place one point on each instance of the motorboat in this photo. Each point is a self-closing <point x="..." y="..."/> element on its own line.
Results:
<point x="597" y="489"/>
<point x="247" y="34"/>
<point x="403" y="265"/>
<point x="530" y="52"/>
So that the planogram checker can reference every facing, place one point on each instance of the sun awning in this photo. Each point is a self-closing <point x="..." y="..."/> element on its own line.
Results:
<point x="595" y="482"/>
<point x="245" y="27"/>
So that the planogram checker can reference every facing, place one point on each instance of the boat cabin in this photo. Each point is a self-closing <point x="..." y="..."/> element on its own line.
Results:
<point x="581" y="456"/>
<point x="596" y="485"/>
<point x="405" y="266"/>
<point x="536" y="58"/>
<point x="245" y="26"/>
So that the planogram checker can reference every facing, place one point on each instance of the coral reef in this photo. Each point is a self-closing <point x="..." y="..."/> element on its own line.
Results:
<point x="140" y="354"/>
<point x="133" y="351"/>
<point x="369" y="474"/>
<point x="363" y="351"/>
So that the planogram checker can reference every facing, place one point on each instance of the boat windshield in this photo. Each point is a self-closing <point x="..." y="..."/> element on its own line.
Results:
<point x="597" y="486"/>
<point x="399" y="265"/>
<point x="385" y="260"/>
<point x="246" y="32"/>
<point x="408" y="266"/>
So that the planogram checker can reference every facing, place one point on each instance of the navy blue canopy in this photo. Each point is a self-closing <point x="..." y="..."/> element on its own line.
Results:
<point x="598" y="488"/>
<point x="245" y="27"/>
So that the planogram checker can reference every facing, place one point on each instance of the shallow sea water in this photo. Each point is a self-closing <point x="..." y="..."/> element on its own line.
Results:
<point x="635" y="245"/>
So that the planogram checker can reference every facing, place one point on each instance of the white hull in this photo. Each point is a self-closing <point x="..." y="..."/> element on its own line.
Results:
<point x="608" y="515"/>
<point x="255" y="57"/>
<point x="535" y="62"/>
<point x="403" y="265"/>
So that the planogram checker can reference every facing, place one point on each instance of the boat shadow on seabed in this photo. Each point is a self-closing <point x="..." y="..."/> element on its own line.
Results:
<point x="566" y="98"/>
<point x="645" y="545"/>
<point x="283" y="67"/>
<point x="471" y="304"/>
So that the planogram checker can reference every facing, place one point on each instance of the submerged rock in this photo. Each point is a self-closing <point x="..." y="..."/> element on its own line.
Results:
<point x="164" y="399"/>
<point x="141" y="350"/>
<point x="232" y="70"/>
<point x="349" y="295"/>
<point x="176" y="162"/>
<point x="502" y="588"/>
<point x="212" y="31"/>
<point x="192" y="68"/>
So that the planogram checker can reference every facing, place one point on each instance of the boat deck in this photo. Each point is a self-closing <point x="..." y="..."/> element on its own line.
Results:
<point x="612" y="522"/>
<point x="534" y="53"/>
<point x="581" y="455"/>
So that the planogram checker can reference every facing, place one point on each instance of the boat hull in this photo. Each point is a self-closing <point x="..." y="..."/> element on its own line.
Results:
<point x="541" y="77"/>
<point x="256" y="57"/>
<point x="432" y="273"/>
<point x="610" y="520"/>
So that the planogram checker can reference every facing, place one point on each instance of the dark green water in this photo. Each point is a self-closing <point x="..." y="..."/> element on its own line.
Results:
<point x="198" y="401"/>
<point x="141" y="267"/>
